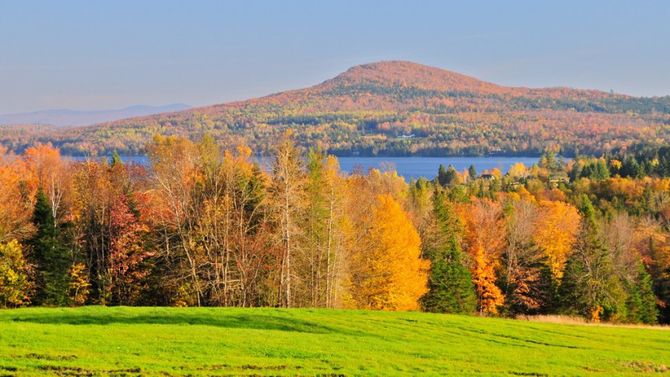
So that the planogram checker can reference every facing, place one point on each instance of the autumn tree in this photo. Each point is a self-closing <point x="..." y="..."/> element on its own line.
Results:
<point x="79" y="285"/>
<point x="127" y="252"/>
<point x="174" y="166"/>
<point x="15" y="285"/>
<point x="322" y="255"/>
<point x="557" y="225"/>
<point x="389" y="273"/>
<point x="484" y="240"/>
<point x="653" y="242"/>
<point x="49" y="173"/>
<point x="288" y="181"/>
<point x="526" y="278"/>
<point x="15" y="198"/>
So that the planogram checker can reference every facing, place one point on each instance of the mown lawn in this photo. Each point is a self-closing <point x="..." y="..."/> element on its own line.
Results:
<point x="220" y="341"/>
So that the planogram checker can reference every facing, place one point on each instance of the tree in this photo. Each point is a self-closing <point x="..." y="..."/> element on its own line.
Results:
<point x="518" y="170"/>
<point x="555" y="232"/>
<point x="596" y="170"/>
<point x="641" y="301"/>
<point x="48" y="173"/>
<point x="288" y="180"/>
<point x="175" y="174"/>
<point x="126" y="253"/>
<point x="484" y="240"/>
<point x="389" y="273"/>
<point x="526" y="278"/>
<point x="79" y="285"/>
<point x="590" y="286"/>
<point x="450" y="288"/>
<point x="472" y="172"/>
<point x="447" y="177"/>
<point x="15" y="285"/>
<point x="653" y="242"/>
<point x="631" y="168"/>
<point x="50" y="256"/>
<point x="15" y="198"/>
<point x="322" y="253"/>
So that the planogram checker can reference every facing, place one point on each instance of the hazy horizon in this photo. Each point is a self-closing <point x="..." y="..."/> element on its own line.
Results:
<point x="93" y="56"/>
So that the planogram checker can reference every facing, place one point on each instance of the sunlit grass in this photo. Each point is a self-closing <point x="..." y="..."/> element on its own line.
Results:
<point x="218" y="341"/>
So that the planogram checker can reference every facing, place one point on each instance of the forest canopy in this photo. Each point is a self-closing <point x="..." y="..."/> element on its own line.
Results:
<point x="205" y="225"/>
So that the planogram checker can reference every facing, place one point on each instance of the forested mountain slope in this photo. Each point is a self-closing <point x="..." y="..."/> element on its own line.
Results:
<point x="393" y="108"/>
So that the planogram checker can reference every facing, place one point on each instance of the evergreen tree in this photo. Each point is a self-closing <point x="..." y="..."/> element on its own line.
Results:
<point x="596" y="170"/>
<point x="641" y="302"/>
<point x="450" y="288"/>
<point x="590" y="286"/>
<point x="49" y="255"/>
<point x="630" y="168"/>
<point x="575" y="171"/>
<point x="442" y="175"/>
<point x="115" y="159"/>
<point x="472" y="172"/>
<point x="447" y="177"/>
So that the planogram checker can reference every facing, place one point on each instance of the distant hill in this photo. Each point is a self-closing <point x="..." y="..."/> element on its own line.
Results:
<point x="72" y="118"/>
<point x="394" y="108"/>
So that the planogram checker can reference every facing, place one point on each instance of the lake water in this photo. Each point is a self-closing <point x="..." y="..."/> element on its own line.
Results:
<point x="415" y="167"/>
<point x="408" y="167"/>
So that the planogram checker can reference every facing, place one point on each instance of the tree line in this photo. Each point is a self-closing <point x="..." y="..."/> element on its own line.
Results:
<point x="204" y="225"/>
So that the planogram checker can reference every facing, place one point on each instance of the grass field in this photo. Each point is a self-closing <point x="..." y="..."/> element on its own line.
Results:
<point x="214" y="341"/>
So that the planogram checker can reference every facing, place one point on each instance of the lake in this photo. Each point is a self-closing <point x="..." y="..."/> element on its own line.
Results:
<point x="408" y="167"/>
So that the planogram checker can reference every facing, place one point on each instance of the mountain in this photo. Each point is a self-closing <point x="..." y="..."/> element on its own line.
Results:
<point x="71" y="118"/>
<point x="393" y="108"/>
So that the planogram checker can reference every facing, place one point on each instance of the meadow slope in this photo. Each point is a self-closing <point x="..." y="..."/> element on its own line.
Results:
<point x="219" y="341"/>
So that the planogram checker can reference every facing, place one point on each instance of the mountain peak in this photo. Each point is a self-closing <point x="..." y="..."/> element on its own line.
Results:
<point x="408" y="74"/>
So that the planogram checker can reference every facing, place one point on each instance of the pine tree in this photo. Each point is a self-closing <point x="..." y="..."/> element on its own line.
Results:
<point x="641" y="302"/>
<point x="49" y="255"/>
<point x="450" y="288"/>
<point x="472" y="172"/>
<point x="115" y="159"/>
<point x="448" y="176"/>
<point x="590" y="286"/>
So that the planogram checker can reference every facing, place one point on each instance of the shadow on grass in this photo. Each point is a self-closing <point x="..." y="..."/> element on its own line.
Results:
<point x="242" y="321"/>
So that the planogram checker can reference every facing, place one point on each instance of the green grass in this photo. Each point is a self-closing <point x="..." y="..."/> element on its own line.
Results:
<point x="218" y="341"/>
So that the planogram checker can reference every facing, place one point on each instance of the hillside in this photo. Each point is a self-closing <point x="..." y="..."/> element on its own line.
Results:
<point x="394" y="108"/>
<point x="72" y="118"/>
<point x="259" y="342"/>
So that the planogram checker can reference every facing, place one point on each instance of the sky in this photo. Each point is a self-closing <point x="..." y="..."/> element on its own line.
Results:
<point x="88" y="55"/>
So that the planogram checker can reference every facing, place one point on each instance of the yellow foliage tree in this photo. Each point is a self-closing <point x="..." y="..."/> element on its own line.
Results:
<point x="14" y="283"/>
<point x="556" y="231"/>
<point x="518" y="170"/>
<point x="389" y="272"/>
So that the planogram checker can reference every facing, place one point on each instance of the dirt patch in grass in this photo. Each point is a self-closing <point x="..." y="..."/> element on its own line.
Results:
<point x="39" y="356"/>
<point x="81" y="372"/>
<point x="647" y="367"/>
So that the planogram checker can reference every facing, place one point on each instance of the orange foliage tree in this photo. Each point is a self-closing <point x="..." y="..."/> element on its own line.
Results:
<point x="484" y="241"/>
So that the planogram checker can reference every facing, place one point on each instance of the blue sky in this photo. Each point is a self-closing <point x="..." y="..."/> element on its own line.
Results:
<point x="97" y="55"/>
